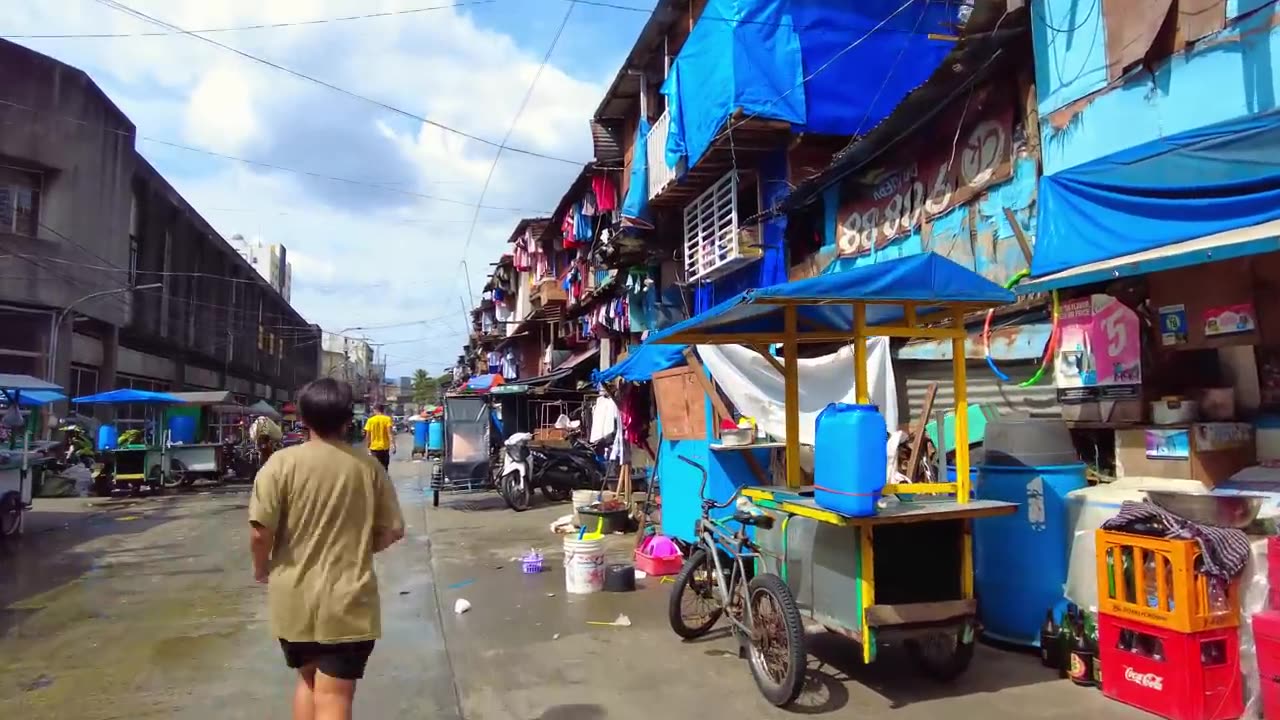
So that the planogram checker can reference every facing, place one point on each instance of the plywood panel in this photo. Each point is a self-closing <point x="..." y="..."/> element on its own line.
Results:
<point x="682" y="405"/>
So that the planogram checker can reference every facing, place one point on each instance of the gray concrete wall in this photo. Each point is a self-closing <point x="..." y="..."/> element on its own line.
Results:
<point x="62" y="127"/>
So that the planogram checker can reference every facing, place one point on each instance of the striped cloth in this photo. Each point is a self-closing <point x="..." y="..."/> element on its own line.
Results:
<point x="1223" y="551"/>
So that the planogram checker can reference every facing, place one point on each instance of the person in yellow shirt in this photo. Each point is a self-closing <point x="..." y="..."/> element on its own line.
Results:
<point x="378" y="437"/>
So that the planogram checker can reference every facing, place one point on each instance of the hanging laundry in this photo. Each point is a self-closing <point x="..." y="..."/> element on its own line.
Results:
<point x="589" y="204"/>
<point x="510" y="368"/>
<point x="604" y="418"/>
<point x="606" y="193"/>
<point x="495" y="362"/>
<point x="582" y="226"/>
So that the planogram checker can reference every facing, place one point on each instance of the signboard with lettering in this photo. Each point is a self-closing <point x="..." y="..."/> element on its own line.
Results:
<point x="1099" y="353"/>
<point x="930" y="178"/>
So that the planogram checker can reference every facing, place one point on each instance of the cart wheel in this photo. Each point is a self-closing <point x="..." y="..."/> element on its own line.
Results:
<point x="556" y="494"/>
<point x="777" y="656"/>
<point x="179" y="474"/>
<point x="155" y="481"/>
<point x="942" y="657"/>
<point x="515" y="491"/>
<point x="102" y="484"/>
<point x="692" y="608"/>
<point x="10" y="514"/>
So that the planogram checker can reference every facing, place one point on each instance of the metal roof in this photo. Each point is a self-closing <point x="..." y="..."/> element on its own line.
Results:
<point x="625" y="88"/>
<point x="208" y="397"/>
<point x="25" y="382"/>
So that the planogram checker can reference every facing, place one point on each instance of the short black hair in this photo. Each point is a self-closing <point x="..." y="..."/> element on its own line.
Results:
<point x="325" y="406"/>
<point x="379" y="408"/>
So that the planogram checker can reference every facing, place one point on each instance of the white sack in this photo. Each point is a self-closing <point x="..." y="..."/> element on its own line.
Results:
<point x="757" y="390"/>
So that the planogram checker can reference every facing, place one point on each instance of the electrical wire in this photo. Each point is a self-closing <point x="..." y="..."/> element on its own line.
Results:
<point x="113" y="4"/>
<point x="515" y="121"/>
<point x="259" y="163"/>
<point x="260" y="26"/>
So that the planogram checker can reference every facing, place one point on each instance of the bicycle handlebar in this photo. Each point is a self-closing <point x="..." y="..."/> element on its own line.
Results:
<point x="702" y="489"/>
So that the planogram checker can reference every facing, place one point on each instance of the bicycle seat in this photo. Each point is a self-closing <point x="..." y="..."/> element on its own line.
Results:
<point x="756" y="520"/>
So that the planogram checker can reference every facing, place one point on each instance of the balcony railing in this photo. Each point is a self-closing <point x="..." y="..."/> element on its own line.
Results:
<point x="660" y="176"/>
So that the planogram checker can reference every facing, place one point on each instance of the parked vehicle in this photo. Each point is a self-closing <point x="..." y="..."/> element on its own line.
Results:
<point x="557" y="471"/>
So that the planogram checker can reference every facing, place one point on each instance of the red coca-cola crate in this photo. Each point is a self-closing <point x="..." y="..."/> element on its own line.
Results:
<point x="1266" y="638"/>
<point x="1273" y="572"/>
<point x="1178" y="676"/>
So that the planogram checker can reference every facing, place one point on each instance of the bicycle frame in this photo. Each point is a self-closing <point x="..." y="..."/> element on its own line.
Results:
<point x="714" y="536"/>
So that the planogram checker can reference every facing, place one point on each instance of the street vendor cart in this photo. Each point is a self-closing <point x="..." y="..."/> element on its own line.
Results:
<point x="19" y="391"/>
<point x="472" y="438"/>
<point x="138" y="463"/>
<point x="193" y="436"/>
<point x="901" y="571"/>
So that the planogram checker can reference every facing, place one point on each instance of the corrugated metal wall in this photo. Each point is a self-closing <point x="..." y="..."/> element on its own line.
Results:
<point x="913" y="378"/>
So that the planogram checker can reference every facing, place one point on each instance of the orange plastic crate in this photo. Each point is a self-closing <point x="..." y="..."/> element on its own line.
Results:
<point x="1178" y="599"/>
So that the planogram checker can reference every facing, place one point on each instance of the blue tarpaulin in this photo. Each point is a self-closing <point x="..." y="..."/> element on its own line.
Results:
<point x="923" y="278"/>
<point x="642" y="363"/>
<point x="36" y="398"/>
<point x="1183" y="187"/>
<point x="484" y="383"/>
<point x="127" y="396"/>
<point x="635" y="205"/>
<point x="834" y="67"/>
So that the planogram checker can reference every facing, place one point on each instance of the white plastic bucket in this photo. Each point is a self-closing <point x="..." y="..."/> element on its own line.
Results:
<point x="583" y="565"/>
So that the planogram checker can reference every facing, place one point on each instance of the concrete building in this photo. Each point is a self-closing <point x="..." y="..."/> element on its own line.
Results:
<point x="349" y="359"/>
<point x="150" y="294"/>
<point x="269" y="259"/>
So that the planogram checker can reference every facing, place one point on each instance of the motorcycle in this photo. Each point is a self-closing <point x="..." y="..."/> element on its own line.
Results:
<point x="74" y="449"/>
<point x="556" y="471"/>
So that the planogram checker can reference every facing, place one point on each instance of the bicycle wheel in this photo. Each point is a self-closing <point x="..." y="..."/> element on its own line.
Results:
<point x="777" y="655"/>
<point x="692" y="607"/>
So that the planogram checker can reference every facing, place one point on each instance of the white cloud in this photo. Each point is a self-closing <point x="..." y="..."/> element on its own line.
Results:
<point x="348" y="242"/>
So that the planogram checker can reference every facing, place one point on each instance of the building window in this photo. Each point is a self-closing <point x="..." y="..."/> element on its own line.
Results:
<point x="19" y="201"/>
<point x="134" y="234"/>
<point x="84" y="381"/>
<point x="714" y="241"/>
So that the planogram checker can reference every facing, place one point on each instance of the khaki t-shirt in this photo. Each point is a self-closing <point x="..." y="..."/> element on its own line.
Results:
<point x="325" y="503"/>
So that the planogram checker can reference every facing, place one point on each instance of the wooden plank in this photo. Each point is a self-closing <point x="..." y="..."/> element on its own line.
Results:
<point x="699" y="373"/>
<point x="917" y="438"/>
<point x="1018" y="233"/>
<point x="773" y="361"/>
<point x="920" y="613"/>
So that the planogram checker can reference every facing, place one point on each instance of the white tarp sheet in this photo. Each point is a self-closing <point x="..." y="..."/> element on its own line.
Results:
<point x="757" y="390"/>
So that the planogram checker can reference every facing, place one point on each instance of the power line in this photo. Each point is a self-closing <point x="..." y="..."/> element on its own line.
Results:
<point x="260" y="26"/>
<point x="303" y="76"/>
<point x="515" y="121"/>
<point x="259" y="163"/>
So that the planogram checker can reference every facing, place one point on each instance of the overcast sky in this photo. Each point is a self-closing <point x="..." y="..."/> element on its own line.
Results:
<point x="361" y="255"/>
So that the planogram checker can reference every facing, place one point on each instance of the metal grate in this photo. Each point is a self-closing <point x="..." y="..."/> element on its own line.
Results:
<point x="713" y="244"/>
<point x="660" y="176"/>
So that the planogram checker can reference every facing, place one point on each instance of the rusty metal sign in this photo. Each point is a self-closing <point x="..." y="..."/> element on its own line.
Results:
<point x="929" y="178"/>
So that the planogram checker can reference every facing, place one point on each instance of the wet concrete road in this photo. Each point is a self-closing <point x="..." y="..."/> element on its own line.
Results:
<point x="147" y="609"/>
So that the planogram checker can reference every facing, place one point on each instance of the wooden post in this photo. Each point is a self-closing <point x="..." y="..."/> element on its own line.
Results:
<point x="860" y="353"/>
<point x="791" y="361"/>
<point x="959" y="371"/>
<point x="917" y="438"/>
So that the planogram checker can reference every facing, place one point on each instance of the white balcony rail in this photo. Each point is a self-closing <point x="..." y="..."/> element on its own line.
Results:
<point x="714" y="244"/>
<point x="660" y="176"/>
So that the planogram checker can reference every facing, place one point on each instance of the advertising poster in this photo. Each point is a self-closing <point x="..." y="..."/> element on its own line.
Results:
<point x="1099" y="351"/>
<point x="1173" y="325"/>
<point x="1229" y="320"/>
<point x="1168" y="444"/>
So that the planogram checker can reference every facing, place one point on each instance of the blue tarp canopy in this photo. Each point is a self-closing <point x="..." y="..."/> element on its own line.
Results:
<point x="126" y="396"/>
<point x="36" y="398"/>
<point x="642" y="363"/>
<point x="1194" y="185"/>
<point x="484" y="383"/>
<point x="835" y="67"/>
<point x="926" y="278"/>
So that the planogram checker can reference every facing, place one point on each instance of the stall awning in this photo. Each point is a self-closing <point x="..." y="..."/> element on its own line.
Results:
<point x="1192" y="186"/>
<point x="37" y="398"/>
<point x="927" y="279"/>
<point x="25" y="383"/>
<point x="642" y="363"/>
<point x="484" y="383"/>
<point x="127" y="396"/>
<point x="1254" y="240"/>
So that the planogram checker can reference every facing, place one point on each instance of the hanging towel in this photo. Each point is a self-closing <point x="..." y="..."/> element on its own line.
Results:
<point x="1223" y="551"/>
<point x="606" y="194"/>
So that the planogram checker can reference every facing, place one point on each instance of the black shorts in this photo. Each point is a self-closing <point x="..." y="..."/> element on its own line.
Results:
<point x="344" y="661"/>
<point x="383" y="456"/>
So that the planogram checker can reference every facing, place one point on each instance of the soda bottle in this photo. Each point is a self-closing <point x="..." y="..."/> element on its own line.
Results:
<point x="1149" y="580"/>
<point x="1091" y="635"/>
<point x="1217" y="594"/>
<point x="1081" y="669"/>
<point x="1049" y="641"/>
<point x="1065" y="643"/>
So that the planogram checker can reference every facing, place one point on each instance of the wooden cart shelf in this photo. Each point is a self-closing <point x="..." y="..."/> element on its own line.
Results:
<point x="800" y="502"/>
<point x="720" y="447"/>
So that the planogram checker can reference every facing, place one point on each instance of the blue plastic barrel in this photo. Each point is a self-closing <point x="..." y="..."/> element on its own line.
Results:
<point x="182" y="429"/>
<point x="420" y="434"/>
<point x="1020" y="560"/>
<point x="107" y="437"/>
<point x="435" y="435"/>
<point x="849" y="462"/>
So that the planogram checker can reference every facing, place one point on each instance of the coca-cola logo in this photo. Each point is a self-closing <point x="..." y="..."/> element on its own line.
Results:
<point x="1147" y="680"/>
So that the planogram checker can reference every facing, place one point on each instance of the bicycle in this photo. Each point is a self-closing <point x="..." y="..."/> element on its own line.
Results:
<point x="761" y="609"/>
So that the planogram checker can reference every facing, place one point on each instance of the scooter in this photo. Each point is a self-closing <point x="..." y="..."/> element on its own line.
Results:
<point x="557" y="471"/>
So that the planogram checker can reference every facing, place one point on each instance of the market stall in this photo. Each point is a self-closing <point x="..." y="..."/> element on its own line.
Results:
<point x="140" y="461"/>
<point x="18" y="391"/>
<point x="833" y="541"/>
<point x="194" y="433"/>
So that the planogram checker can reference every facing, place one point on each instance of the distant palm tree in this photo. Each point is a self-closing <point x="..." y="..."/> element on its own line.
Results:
<point x="425" y="388"/>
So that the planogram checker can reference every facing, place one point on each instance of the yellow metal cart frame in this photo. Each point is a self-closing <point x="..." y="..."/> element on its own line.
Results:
<point x="925" y="305"/>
